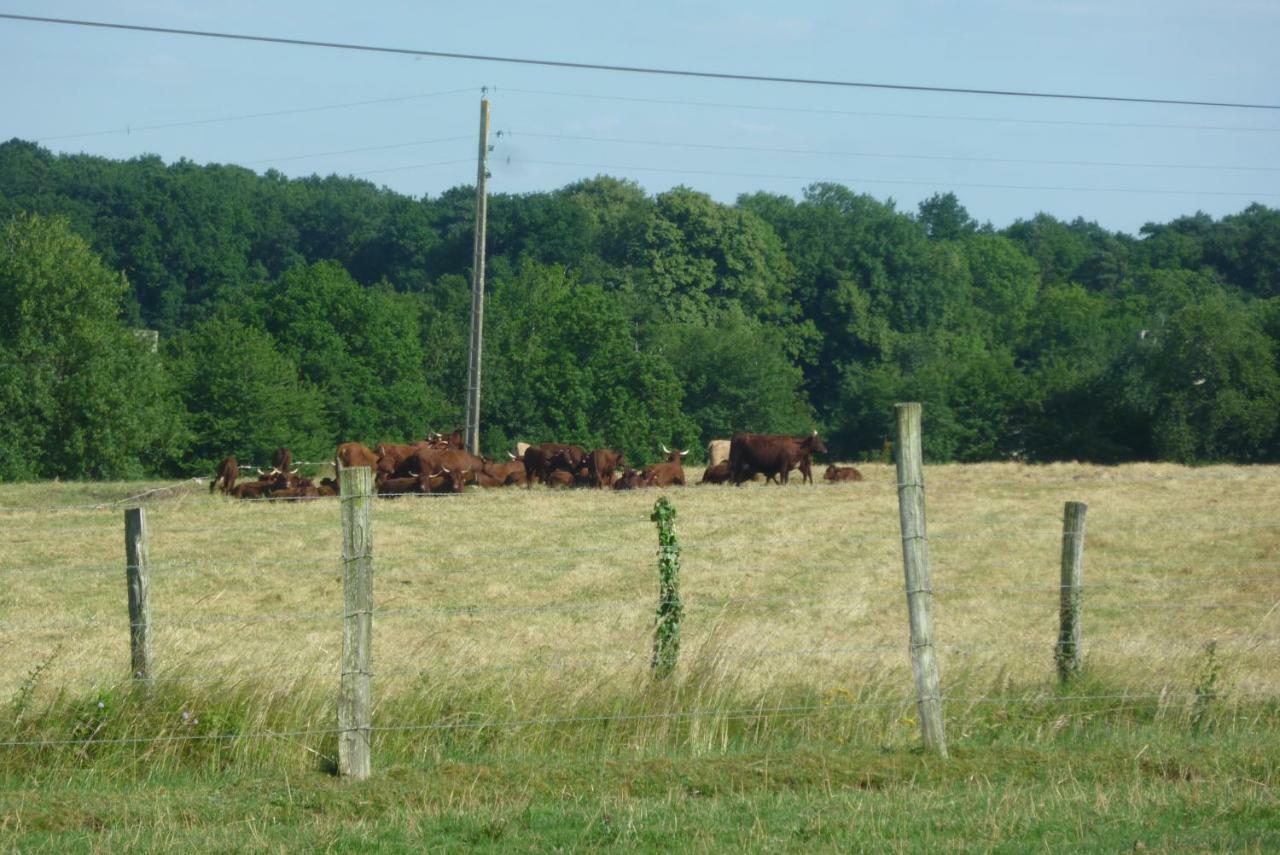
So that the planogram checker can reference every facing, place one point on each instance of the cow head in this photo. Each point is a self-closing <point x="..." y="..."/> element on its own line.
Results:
<point x="455" y="479"/>
<point x="816" y="445"/>
<point x="674" y="456"/>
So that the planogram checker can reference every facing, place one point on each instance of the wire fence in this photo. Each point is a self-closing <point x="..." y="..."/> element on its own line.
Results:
<point x="873" y="587"/>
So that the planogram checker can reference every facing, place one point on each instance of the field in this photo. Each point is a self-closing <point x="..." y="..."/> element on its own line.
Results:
<point x="514" y="706"/>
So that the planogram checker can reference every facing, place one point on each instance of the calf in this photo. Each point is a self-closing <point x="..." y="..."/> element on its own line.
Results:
<point x="632" y="479"/>
<point x="717" y="474"/>
<point x="842" y="473"/>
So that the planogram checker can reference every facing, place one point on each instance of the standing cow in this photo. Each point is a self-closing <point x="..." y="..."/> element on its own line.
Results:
<point x="228" y="472"/>
<point x="772" y="455"/>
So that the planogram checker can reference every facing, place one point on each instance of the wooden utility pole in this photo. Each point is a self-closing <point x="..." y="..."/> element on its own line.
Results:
<point x="477" y="286"/>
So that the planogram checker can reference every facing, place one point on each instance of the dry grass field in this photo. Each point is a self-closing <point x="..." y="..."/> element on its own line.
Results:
<point x="549" y="596"/>
<point x="515" y="626"/>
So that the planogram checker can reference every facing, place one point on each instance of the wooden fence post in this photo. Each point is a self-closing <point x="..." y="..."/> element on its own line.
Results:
<point x="1069" y="629"/>
<point x="919" y="578"/>
<point x="354" y="695"/>
<point x="138" y="580"/>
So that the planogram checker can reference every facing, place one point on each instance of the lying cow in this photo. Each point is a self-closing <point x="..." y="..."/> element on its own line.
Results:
<point x="842" y="473"/>
<point x="717" y="474"/>
<point x="669" y="473"/>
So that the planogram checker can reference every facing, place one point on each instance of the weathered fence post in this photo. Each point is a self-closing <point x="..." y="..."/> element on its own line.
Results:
<point x="1069" y="631"/>
<point x="666" y="635"/>
<point x="354" y="696"/>
<point x="138" y="579"/>
<point x="919" y="579"/>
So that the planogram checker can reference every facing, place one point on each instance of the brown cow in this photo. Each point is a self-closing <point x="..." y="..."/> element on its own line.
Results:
<point x="501" y="474"/>
<point x="842" y="473"/>
<point x="352" y="454"/>
<point x="669" y="473"/>
<point x="601" y="464"/>
<point x="228" y="472"/>
<point x="558" y="478"/>
<point x="771" y="455"/>
<point x="631" y="479"/>
<point x="717" y="474"/>
<point x="400" y="486"/>
<point x="395" y="460"/>
<point x="541" y="459"/>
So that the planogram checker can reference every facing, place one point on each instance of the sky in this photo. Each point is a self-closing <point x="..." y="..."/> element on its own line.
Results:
<point x="411" y="123"/>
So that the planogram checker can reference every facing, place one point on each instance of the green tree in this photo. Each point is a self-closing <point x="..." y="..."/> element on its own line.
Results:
<point x="81" y="395"/>
<point x="245" y="397"/>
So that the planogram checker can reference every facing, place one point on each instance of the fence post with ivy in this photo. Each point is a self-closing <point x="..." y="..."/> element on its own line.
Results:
<point x="666" y="637"/>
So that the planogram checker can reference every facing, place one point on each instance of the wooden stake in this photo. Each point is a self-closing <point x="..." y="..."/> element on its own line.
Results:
<point x="919" y="578"/>
<point x="354" y="694"/>
<point x="1070" y="632"/>
<point x="138" y="579"/>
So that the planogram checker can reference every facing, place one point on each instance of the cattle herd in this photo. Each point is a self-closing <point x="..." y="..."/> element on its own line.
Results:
<point x="440" y="464"/>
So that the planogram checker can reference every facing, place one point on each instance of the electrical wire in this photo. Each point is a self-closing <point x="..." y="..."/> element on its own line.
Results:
<point x="636" y="69"/>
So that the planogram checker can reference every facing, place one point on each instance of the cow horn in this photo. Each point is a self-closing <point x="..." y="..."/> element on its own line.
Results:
<point x="445" y="469"/>
<point x="665" y="450"/>
<point x="512" y="456"/>
<point x="683" y="453"/>
<point x="815" y="433"/>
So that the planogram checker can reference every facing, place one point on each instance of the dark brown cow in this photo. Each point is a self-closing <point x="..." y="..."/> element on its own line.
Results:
<point x="545" y="457"/>
<point x="771" y="455"/>
<point x="631" y="479"/>
<point x="601" y="464"/>
<point x="669" y="473"/>
<point x="717" y="473"/>
<point x="842" y="473"/>
<point x="327" y="487"/>
<point x="352" y="454"/>
<point x="570" y="458"/>
<point x="228" y="472"/>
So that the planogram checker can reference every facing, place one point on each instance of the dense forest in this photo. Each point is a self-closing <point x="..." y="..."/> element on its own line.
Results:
<point x="304" y="312"/>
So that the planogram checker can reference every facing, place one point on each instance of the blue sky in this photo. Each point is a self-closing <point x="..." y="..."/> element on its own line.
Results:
<point x="1121" y="165"/>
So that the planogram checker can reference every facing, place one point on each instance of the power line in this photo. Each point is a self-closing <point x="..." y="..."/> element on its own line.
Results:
<point x="883" y="115"/>
<point x="130" y="129"/>
<point x="828" y="153"/>
<point x="633" y="69"/>
<point x="859" y="180"/>
<point x="388" y="147"/>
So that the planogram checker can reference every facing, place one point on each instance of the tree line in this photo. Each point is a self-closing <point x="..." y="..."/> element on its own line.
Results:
<point x="305" y="312"/>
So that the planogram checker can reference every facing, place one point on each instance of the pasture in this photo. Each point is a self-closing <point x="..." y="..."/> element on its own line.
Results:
<point x="514" y="703"/>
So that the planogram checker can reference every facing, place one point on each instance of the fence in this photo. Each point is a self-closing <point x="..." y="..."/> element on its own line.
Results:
<point x="846" y="593"/>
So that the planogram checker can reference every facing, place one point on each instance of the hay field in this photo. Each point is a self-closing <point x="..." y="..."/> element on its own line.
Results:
<point x="522" y="605"/>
